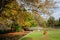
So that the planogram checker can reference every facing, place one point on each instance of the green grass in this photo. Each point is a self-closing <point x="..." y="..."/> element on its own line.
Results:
<point x="38" y="35"/>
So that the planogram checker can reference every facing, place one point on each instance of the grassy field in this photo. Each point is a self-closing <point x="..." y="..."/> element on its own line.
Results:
<point x="38" y="35"/>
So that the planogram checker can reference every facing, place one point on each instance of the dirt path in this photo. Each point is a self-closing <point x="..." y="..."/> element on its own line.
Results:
<point x="13" y="36"/>
<point x="15" y="33"/>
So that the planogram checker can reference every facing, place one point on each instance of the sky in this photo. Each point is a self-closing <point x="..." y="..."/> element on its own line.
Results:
<point x="56" y="13"/>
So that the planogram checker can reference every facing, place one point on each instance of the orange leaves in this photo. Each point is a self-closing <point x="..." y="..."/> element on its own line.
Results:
<point x="27" y="24"/>
<point x="18" y="14"/>
<point x="21" y="22"/>
<point x="14" y="12"/>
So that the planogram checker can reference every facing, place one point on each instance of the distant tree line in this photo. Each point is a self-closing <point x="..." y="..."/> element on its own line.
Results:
<point x="52" y="22"/>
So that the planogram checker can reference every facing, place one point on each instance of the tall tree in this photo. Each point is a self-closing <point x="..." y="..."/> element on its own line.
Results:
<point x="59" y="22"/>
<point x="16" y="16"/>
<point x="38" y="6"/>
<point x="11" y="12"/>
<point x="51" y="21"/>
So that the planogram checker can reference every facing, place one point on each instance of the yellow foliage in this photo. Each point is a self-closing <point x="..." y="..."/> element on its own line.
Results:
<point x="27" y="24"/>
<point x="14" y="12"/>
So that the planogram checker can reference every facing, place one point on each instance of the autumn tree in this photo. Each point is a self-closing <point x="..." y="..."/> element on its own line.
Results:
<point x="15" y="16"/>
<point x="38" y="6"/>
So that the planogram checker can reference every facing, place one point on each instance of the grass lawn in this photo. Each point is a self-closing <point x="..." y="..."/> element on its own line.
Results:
<point x="38" y="35"/>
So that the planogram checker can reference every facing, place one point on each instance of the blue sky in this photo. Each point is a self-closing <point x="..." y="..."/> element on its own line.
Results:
<point x="56" y="13"/>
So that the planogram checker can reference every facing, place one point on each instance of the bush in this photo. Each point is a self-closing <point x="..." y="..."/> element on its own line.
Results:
<point x="17" y="28"/>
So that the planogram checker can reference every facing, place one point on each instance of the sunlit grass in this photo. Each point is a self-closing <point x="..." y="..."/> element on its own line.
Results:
<point x="38" y="35"/>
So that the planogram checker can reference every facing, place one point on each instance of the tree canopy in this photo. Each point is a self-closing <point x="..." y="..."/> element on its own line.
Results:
<point x="40" y="6"/>
<point x="24" y="13"/>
